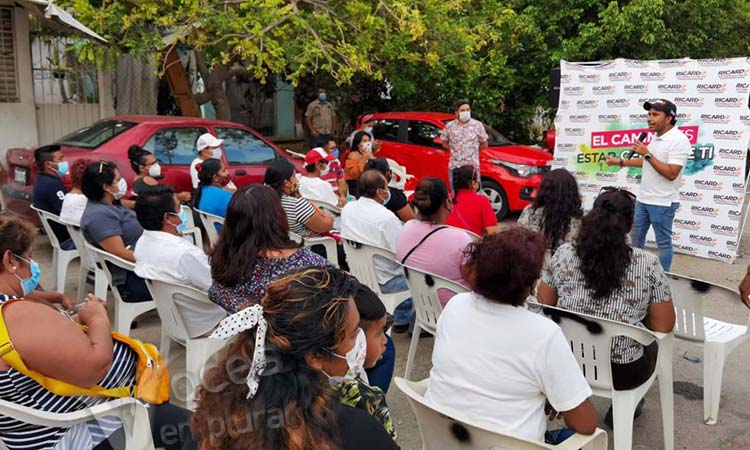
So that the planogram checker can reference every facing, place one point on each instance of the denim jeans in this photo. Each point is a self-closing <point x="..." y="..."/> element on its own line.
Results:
<point x="68" y="244"/>
<point x="660" y="217"/>
<point x="450" y="179"/>
<point x="382" y="373"/>
<point x="404" y="313"/>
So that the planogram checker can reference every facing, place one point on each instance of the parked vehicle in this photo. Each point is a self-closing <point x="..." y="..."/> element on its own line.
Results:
<point x="511" y="173"/>
<point x="171" y="139"/>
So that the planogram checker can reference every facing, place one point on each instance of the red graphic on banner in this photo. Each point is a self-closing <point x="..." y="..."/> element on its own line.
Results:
<point x="626" y="138"/>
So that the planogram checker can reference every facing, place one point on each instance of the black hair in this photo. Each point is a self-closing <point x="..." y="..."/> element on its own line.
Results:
<point x="380" y="164"/>
<point x="152" y="204"/>
<point x="95" y="177"/>
<point x="44" y="154"/>
<point x="558" y="195"/>
<point x="369" y="183"/>
<point x="602" y="245"/>
<point x="278" y="171"/>
<point x="370" y="307"/>
<point x="206" y="172"/>
<point x="357" y="139"/>
<point x="255" y="222"/>
<point x="430" y="195"/>
<point x="461" y="102"/>
<point x="462" y="178"/>
<point x="137" y="157"/>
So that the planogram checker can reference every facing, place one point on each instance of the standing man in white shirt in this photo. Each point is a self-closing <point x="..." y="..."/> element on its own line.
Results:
<point x="208" y="147"/>
<point x="311" y="185"/>
<point x="162" y="254"/>
<point x="662" y="161"/>
<point x="367" y="221"/>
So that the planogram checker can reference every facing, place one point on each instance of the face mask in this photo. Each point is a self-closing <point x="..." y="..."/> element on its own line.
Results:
<point x="367" y="130"/>
<point x="154" y="170"/>
<point x="294" y="188"/>
<point x="335" y="153"/>
<point x="29" y="284"/>
<point x="62" y="168"/>
<point x="183" y="221"/>
<point x="355" y="360"/>
<point x="464" y="116"/>
<point x="122" y="188"/>
<point x="367" y="146"/>
<point x="225" y="181"/>
<point x="325" y="170"/>
<point x="387" y="199"/>
<point x="323" y="96"/>
<point x="216" y="153"/>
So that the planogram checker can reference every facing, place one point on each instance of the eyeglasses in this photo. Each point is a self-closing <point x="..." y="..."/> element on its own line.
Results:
<point x="607" y="189"/>
<point x="388" y="322"/>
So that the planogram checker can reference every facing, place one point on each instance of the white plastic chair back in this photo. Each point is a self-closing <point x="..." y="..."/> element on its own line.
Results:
<point x="87" y="259"/>
<point x="332" y="252"/>
<point x="443" y="430"/>
<point x="399" y="174"/>
<point x="323" y="206"/>
<point x="131" y="411"/>
<point x="60" y="258"/>
<point x="425" y="289"/>
<point x="47" y="217"/>
<point x="209" y="223"/>
<point x="191" y="231"/>
<point x="360" y="256"/>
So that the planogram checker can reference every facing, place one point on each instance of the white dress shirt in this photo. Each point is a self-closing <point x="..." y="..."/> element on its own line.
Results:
<point x="369" y="222"/>
<point x="318" y="190"/>
<point x="167" y="257"/>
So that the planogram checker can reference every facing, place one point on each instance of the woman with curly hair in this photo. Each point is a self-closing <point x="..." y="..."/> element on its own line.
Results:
<point x="271" y="388"/>
<point x="600" y="274"/>
<point x="75" y="202"/>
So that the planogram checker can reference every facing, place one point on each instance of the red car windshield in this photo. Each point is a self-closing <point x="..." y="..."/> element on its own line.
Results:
<point x="97" y="134"/>
<point x="495" y="139"/>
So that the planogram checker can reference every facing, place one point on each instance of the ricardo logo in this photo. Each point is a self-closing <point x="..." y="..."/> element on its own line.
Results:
<point x="579" y="118"/>
<point x="633" y="178"/>
<point x="728" y="102"/>
<point x="690" y="75"/>
<point x="618" y="103"/>
<point x="711" y="88"/>
<point x="560" y="162"/>
<point x="723" y="199"/>
<point x="720" y="255"/>
<point x="589" y="187"/>
<point x="705" y="211"/>
<point x="738" y="188"/>
<point x="672" y="63"/>
<point x="603" y="90"/>
<point x="566" y="78"/>
<point x="732" y="153"/>
<point x="573" y="90"/>
<point x="727" y="171"/>
<point x="606" y="176"/>
<point x="566" y="146"/>
<point x="672" y="87"/>
<point x="652" y="76"/>
<point x="708" y="185"/>
<point x="734" y="215"/>
<point x="689" y="249"/>
<point x="687" y="224"/>
<point x="580" y="175"/>
<point x="636" y="88"/>
<point x="589" y="77"/>
<point x="587" y="104"/>
<point x="691" y="196"/>
<point x="727" y="135"/>
<point x="609" y="118"/>
<point x="564" y="104"/>
<point x="732" y="246"/>
<point x="684" y="117"/>
<point x="620" y="76"/>
<point x="700" y="239"/>
<point x="640" y="117"/>
<point x="715" y="118"/>
<point x="745" y="119"/>
<point x="733" y="73"/>
<point x="688" y="101"/>
<point x="724" y="230"/>
<point x="575" y="131"/>
<point x="713" y="62"/>
<point x="637" y="63"/>
<point x="743" y="88"/>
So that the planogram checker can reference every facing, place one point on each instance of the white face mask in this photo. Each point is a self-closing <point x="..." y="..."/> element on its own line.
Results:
<point x="216" y="153"/>
<point x="154" y="170"/>
<point x="367" y="130"/>
<point x="355" y="359"/>
<point x="464" y="116"/>
<point x="122" y="189"/>
<point x="325" y="170"/>
<point x="367" y="146"/>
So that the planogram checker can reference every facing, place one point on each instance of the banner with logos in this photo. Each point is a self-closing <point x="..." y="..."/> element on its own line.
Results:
<point x="601" y="114"/>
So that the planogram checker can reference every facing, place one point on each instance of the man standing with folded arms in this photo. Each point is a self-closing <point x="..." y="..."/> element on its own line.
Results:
<point x="662" y="161"/>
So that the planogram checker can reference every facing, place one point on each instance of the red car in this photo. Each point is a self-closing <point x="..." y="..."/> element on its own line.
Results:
<point x="510" y="172"/>
<point x="171" y="139"/>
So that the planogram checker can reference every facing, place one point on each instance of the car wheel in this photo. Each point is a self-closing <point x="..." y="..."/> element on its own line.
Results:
<point x="498" y="199"/>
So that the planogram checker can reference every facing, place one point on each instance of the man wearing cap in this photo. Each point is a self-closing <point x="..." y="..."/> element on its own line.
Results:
<point x="320" y="118"/>
<point x="208" y="147"/>
<point x="311" y="186"/>
<point x="662" y="161"/>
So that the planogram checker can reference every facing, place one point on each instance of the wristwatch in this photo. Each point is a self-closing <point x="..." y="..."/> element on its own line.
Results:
<point x="648" y="156"/>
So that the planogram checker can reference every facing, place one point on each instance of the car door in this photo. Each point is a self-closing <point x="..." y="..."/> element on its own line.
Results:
<point x="426" y="156"/>
<point x="246" y="153"/>
<point x="174" y="148"/>
<point x="391" y="134"/>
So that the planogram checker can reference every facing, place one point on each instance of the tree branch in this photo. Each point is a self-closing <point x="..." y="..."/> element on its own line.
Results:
<point x="200" y="62"/>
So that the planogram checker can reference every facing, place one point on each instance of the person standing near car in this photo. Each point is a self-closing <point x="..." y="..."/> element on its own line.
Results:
<point x="320" y="118"/>
<point x="208" y="147"/>
<point x="464" y="138"/>
<point x="662" y="161"/>
<point x="49" y="192"/>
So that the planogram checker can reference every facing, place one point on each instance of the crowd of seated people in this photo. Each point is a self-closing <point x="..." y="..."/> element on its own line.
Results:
<point x="309" y="341"/>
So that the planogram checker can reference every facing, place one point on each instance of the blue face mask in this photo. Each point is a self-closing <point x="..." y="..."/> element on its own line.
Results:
<point x="29" y="284"/>
<point x="387" y="199"/>
<point x="62" y="168"/>
<point x="323" y="96"/>
<point x="335" y="153"/>
<point x="183" y="220"/>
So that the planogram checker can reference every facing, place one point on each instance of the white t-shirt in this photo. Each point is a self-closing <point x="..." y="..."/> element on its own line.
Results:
<point x="72" y="208"/>
<point x="672" y="147"/>
<point x="194" y="175"/>
<point x="317" y="189"/>
<point x="495" y="364"/>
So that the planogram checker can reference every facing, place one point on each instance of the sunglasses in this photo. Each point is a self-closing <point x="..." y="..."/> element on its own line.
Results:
<point x="607" y="189"/>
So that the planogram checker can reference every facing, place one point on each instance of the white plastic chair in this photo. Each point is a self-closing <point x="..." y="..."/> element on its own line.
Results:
<point x="360" y="256"/>
<point x="60" y="258"/>
<point x="438" y="429"/>
<point x="197" y="350"/>
<point x="132" y="413"/>
<point x="400" y="175"/>
<point x="329" y="243"/>
<point x="209" y="223"/>
<point x="717" y="338"/>
<point x="125" y="312"/>
<point x="323" y="206"/>
<point x="192" y="232"/>
<point x="592" y="350"/>
<point x="424" y="289"/>
<point x="88" y="265"/>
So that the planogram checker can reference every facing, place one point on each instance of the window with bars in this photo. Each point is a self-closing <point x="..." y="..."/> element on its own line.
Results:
<point x="8" y="76"/>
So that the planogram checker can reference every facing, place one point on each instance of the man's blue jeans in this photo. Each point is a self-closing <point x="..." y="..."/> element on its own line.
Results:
<point x="404" y="313"/>
<point x="661" y="218"/>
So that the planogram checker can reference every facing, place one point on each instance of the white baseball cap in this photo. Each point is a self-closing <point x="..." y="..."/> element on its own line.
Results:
<point x="207" y="140"/>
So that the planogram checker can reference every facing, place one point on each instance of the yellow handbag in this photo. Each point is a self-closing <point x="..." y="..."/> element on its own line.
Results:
<point x="151" y="377"/>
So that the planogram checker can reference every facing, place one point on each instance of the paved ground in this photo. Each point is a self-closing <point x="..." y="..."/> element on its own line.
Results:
<point x="731" y="433"/>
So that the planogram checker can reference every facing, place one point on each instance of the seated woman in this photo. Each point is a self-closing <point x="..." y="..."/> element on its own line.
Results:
<point x="304" y="218"/>
<point x="75" y="202"/>
<point x="88" y="358"/>
<point x="305" y="331"/>
<point x="602" y="275"/>
<point x="397" y="202"/>
<point x="356" y="158"/>
<point x="147" y="171"/>
<point x="112" y="227"/>
<point x="211" y="197"/>
<point x="254" y="249"/>
<point x="471" y="210"/>
<point x="556" y="211"/>
<point x="428" y="244"/>
<point x="519" y="360"/>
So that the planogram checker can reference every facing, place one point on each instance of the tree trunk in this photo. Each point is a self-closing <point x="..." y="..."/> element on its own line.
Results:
<point x="213" y="81"/>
